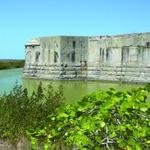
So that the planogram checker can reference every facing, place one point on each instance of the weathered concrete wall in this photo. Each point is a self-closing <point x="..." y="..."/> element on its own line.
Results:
<point x="115" y="58"/>
<point x="74" y="50"/>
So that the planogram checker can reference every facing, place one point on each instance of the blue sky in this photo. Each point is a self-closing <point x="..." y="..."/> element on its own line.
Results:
<point x="22" y="20"/>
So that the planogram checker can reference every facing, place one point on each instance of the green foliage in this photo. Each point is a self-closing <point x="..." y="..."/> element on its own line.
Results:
<point x="20" y="113"/>
<point x="102" y="120"/>
<point x="11" y="64"/>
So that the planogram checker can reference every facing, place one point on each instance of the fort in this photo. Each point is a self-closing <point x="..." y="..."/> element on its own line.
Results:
<point x="124" y="58"/>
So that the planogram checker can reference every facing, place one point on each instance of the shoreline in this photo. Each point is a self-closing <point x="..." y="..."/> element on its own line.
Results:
<point x="11" y="64"/>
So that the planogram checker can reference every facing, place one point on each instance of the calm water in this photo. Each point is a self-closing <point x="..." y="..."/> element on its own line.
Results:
<point x="8" y="79"/>
<point x="73" y="90"/>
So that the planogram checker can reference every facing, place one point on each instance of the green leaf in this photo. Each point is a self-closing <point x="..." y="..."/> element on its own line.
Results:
<point x="144" y="109"/>
<point x="62" y="116"/>
<point x="102" y="124"/>
<point x="148" y="141"/>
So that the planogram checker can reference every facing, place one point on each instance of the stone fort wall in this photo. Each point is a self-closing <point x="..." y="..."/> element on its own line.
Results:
<point x="123" y="58"/>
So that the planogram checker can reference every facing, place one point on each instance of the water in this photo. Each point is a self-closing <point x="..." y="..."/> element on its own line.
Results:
<point x="8" y="79"/>
<point x="73" y="90"/>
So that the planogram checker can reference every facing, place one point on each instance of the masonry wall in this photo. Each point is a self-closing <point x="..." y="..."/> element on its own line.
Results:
<point x="74" y="50"/>
<point x="120" y="58"/>
<point x="115" y="58"/>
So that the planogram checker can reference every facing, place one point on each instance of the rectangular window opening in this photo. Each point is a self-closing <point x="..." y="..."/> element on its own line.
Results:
<point x="74" y="44"/>
<point x="147" y="44"/>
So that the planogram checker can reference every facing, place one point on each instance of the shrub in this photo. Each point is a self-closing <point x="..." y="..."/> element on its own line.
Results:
<point x="102" y="120"/>
<point x="19" y="112"/>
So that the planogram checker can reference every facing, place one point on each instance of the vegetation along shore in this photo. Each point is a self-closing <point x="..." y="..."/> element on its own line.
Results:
<point x="102" y="120"/>
<point x="10" y="63"/>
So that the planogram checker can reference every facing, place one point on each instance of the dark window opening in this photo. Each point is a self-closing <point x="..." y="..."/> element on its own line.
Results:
<point x="85" y="63"/>
<point x="37" y="56"/>
<point x="100" y="52"/>
<point x="147" y="44"/>
<point x="49" y="54"/>
<point x="103" y="55"/>
<point x="73" y="57"/>
<point x="74" y="44"/>
<point x="55" y="57"/>
<point x="68" y="56"/>
<point x="107" y="53"/>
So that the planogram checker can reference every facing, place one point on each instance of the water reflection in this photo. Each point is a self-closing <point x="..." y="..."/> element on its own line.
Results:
<point x="75" y="90"/>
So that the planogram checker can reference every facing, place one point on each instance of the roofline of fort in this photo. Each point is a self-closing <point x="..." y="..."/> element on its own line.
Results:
<point x="102" y="35"/>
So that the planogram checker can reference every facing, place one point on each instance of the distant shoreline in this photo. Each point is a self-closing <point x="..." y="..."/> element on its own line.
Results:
<point x="11" y="63"/>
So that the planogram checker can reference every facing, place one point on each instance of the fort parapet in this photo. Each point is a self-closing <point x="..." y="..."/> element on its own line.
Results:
<point x="123" y="58"/>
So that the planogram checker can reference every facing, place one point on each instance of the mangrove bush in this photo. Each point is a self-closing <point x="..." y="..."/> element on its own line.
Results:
<point x="102" y="120"/>
<point x="114" y="120"/>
